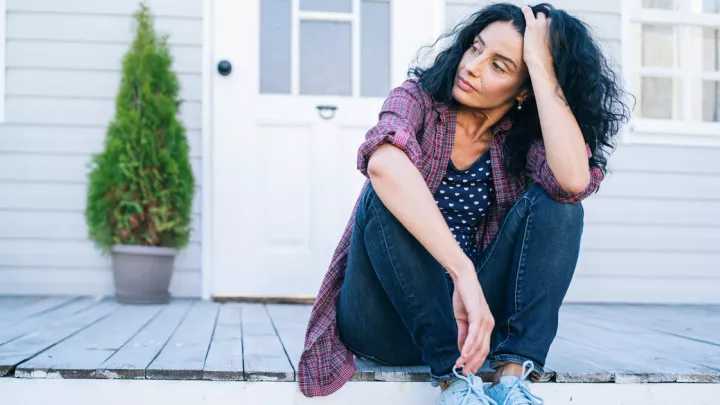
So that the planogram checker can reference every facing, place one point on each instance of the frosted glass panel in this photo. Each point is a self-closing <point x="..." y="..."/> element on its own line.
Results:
<point x="711" y="49"/>
<point x="336" y="6"/>
<point x="275" y="46"/>
<point x="657" y="97"/>
<point x="711" y="6"/>
<point x="658" y="46"/>
<point x="325" y="58"/>
<point x="711" y="101"/>
<point x="661" y="4"/>
<point x="375" y="49"/>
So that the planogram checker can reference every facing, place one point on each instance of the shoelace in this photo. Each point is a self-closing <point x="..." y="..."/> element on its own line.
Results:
<point x="480" y="395"/>
<point x="520" y="391"/>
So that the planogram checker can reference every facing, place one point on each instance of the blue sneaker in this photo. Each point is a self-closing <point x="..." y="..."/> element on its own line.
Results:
<point x="465" y="391"/>
<point x="514" y="390"/>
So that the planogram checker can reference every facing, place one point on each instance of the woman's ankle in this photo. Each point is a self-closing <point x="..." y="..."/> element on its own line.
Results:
<point x="507" y="369"/>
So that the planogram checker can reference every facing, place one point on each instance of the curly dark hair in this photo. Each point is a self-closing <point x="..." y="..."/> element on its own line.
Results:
<point x="591" y="88"/>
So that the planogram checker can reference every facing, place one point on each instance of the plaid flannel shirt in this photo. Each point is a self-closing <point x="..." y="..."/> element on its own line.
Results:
<point x="425" y="131"/>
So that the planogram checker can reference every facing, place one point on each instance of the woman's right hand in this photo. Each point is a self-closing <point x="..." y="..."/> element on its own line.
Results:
<point x="475" y="322"/>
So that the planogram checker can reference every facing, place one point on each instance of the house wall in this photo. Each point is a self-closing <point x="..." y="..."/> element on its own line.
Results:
<point x="63" y="69"/>
<point x="652" y="233"/>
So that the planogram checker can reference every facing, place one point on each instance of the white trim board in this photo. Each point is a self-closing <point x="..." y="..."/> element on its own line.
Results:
<point x="3" y="70"/>
<point x="208" y="70"/>
<point x="121" y="392"/>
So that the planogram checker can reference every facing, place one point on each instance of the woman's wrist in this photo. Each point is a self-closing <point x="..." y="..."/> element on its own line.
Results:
<point x="541" y="72"/>
<point x="460" y="268"/>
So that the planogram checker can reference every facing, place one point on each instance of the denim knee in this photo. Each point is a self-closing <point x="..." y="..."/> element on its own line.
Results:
<point x="562" y="215"/>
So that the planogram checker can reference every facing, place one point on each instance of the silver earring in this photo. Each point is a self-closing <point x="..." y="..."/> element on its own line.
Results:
<point x="520" y="105"/>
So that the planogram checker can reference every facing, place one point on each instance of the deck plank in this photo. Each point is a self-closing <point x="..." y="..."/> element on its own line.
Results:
<point x="136" y="355"/>
<point x="264" y="356"/>
<point x="14" y="329"/>
<point x="369" y="370"/>
<point x="183" y="358"/>
<point x="9" y="304"/>
<point x="35" y="308"/>
<point x="692" y="322"/>
<point x="28" y="346"/>
<point x="568" y="362"/>
<point x="291" y="322"/>
<point x="363" y="371"/>
<point x="631" y="353"/>
<point x="225" y="358"/>
<point x="665" y="347"/>
<point x="81" y="355"/>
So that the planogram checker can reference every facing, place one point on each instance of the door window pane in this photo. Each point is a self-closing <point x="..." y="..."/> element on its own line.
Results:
<point x="711" y="49"/>
<point x="275" y="46"/>
<point x="325" y="58"/>
<point x="375" y="48"/>
<point x="658" y="46"/>
<point x="336" y="6"/>
<point x="711" y="6"/>
<point x="660" y="4"/>
<point x="657" y="95"/>
<point x="711" y="100"/>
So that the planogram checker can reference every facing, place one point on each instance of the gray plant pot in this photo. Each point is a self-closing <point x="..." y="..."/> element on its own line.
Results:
<point x="142" y="274"/>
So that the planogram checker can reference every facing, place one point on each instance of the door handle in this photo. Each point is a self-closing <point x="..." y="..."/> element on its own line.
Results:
<point x="326" y="112"/>
<point x="224" y="67"/>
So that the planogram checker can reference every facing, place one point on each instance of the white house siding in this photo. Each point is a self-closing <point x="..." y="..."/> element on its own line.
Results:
<point x="652" y="233"/>
<point x="63" y="68"/>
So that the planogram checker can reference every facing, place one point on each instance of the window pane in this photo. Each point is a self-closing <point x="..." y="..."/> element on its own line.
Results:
<point x="711" y="49"/>
<point x="661" y="4"/>
<point x="337" y="6"/>
<point x="325" y="58"/>
<point x="657" y="97"/>
<point x="711" y="101"/>
<point x="711" y="6"/>
<point x="658" y="46"/>
<point x="375" y="48"/>
<point x="275" y="46"/>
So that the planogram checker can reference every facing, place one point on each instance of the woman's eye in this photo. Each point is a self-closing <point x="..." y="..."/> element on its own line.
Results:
<point x="497" y="67"/>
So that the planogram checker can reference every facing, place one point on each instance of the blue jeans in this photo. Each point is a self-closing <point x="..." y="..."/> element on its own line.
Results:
<point x="395" y="305"/>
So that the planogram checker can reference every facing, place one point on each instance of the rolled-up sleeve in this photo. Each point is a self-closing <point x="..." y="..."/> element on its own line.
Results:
<point x="399" y="121"/>
<point x="540" y="172"/>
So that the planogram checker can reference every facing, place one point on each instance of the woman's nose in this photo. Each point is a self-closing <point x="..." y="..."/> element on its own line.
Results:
<point x="473" y="67"/>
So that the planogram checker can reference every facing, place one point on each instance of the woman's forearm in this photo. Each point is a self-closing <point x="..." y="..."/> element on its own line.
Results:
<point x="402" y="189"/>
<point x="564" y="143"/>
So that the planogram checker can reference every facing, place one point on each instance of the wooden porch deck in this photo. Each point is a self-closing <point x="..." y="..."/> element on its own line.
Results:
<point x="87" y="338"/>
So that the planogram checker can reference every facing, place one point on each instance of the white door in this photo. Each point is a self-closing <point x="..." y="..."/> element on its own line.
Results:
<point x="307" y="80"/>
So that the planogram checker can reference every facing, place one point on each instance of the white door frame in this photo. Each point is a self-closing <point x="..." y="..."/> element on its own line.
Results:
<point x="206" y="218"/>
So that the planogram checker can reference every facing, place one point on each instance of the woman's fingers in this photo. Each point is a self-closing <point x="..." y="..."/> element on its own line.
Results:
<point x="476" y="346"/>
<point x="477" y="361"/>
<point x="471" y="342"/>
<point x="482" y="349"/>
<point x="462" y="338"/>
<point x="541" y="18"/>
<point x="529" y="16"/>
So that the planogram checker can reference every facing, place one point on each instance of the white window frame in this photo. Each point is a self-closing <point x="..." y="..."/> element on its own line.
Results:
<point x="685" y="131"/>
<point x="3" y="69"/>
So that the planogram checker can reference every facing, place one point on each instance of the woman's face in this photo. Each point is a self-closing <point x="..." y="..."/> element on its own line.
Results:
<point x="492" y="70"/>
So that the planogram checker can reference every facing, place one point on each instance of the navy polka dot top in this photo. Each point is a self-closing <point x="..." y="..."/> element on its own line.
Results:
<point x="464" y="198"/>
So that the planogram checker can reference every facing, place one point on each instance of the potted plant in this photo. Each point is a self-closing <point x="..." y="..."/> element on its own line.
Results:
<point x="141" y="185"/>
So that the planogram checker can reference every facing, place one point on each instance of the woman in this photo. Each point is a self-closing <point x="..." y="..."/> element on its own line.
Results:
<point x="464" y="240"/>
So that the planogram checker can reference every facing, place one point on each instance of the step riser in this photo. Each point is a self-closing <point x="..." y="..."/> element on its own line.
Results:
<point x="122" y="392"/>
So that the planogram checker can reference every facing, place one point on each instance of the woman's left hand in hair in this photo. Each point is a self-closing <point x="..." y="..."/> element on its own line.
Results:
<point x="536" y="51"/>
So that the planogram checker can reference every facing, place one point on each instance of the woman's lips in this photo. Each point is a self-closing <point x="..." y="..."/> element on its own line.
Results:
<point x="465" y="86"/>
